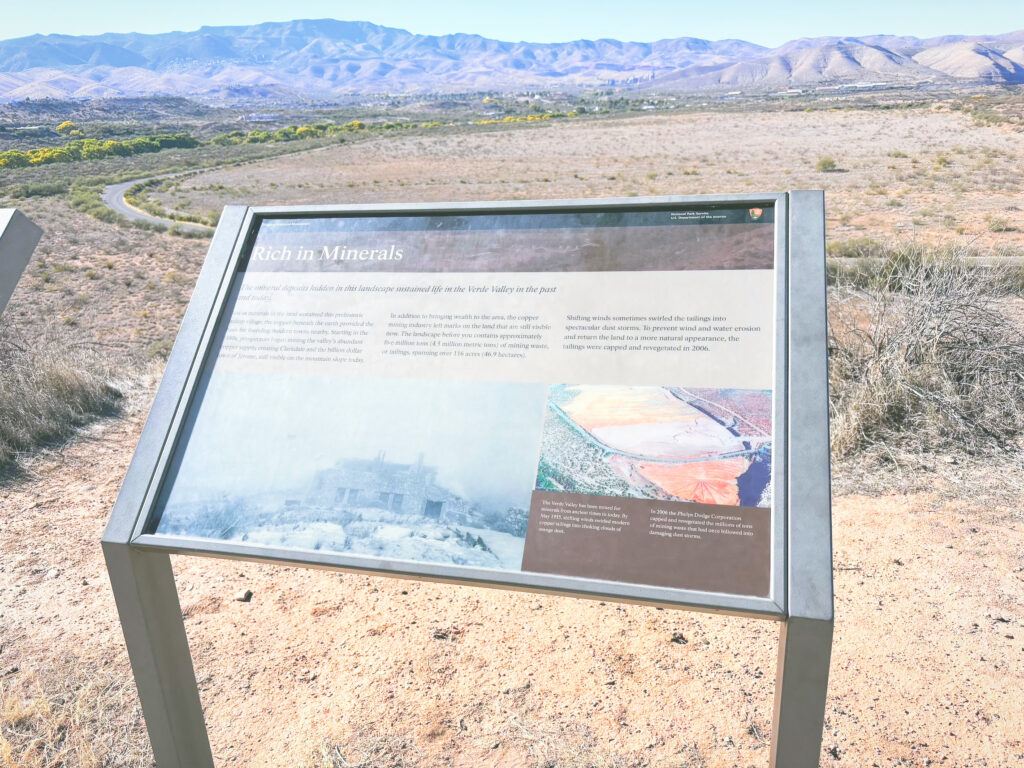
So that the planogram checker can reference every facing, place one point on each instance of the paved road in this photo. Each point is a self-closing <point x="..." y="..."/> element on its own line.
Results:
<point x="113" y="198"/>
<point x="113" y="195"/>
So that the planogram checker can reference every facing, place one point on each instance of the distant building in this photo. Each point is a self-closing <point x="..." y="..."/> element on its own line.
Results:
<point x="376" y="483"/>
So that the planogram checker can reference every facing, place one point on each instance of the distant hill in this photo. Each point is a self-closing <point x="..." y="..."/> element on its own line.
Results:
<point x="324" y="58"/>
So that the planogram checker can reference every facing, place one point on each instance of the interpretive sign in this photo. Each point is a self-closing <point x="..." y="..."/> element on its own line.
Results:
<point x="590" y="397"/>
<point x="18" y="239"/>
<point x="585" y="394"/>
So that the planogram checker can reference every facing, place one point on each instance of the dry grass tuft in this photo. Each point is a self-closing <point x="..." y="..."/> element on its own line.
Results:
<point x="553" y="745"/>
<point x="369" y="750"/>
<point x="550" y="745"/>
<point x="72" y="714"/>
<point x="48" y="388"/>
<point x="924" y="356"/>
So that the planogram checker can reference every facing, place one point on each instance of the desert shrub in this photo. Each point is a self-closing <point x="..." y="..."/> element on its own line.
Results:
<point x="48" y="388"/>
<point x="73" y="713"/>
<point x="190" y="234"/>
<point x="42" y="189"/>
<point x="14" y="158"/>
<point x="826" y="165"/>
<point x="856" y="248"/>
<point x="94" y="149"/>
<point x="228" y="139"/>
<point x="925" y="357"/>
<point x="289" y="133"/>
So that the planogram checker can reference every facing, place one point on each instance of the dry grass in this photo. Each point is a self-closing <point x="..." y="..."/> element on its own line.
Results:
<point x="71" y="714"/>
<point x="925" y="357"/>
<point x="48" y="388"/>
<point x="369" y="750"/>
<point x="553" y="746"/>
<point x="906" y="173"/>
<point x="912" y="370"/>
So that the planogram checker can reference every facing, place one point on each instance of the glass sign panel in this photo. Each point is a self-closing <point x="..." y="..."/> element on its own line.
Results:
<point x="587" y="394"/>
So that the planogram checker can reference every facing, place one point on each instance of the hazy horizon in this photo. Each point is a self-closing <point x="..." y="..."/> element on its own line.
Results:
<point x="535" y="22"/>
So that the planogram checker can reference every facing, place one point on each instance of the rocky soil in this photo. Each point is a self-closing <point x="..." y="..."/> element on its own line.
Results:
<point x="928" y="661"/>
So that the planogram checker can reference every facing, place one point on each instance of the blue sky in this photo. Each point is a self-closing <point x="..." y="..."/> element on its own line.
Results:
<point x="767" y="23"/>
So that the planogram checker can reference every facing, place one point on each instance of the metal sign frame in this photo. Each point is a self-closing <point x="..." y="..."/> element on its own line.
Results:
<point x="18" y="240"/>
<point x="771" y="606"/>
<point x="139" y="567"/>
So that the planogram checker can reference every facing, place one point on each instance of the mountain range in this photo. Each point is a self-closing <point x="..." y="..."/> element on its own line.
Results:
<point x="326" y="58"/>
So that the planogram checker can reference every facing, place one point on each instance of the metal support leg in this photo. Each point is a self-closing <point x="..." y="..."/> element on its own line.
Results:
<point x="147" y="602"/>
<point x="801" y="684"/>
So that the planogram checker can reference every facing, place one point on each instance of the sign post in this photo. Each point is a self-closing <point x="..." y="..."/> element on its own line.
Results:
<point x="805" y="640"/>
<point x="621" y="399"/>
<point x="18" y="239"/>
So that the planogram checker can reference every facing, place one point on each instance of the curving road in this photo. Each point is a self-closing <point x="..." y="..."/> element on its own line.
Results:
<point x="113" y="194"/>
<point x="113" y="198"/>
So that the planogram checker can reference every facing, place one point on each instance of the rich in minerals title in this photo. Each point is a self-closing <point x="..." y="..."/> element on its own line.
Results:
<point x="337" y="253"/>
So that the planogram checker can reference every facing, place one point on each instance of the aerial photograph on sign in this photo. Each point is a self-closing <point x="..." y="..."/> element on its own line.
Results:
<point x="395" y="469"/>
<point x="672" y="443"/>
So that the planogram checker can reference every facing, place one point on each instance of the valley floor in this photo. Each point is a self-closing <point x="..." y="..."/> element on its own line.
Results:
<point x="928" y="661"/>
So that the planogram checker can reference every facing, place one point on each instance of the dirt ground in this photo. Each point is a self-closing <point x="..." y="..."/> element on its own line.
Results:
<point x="934" y="176"/>
<point x="928" y="660"/>
<point x="121" y="290"/>
<point x="926" y="668"/>
<point x="126" y="289"/>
